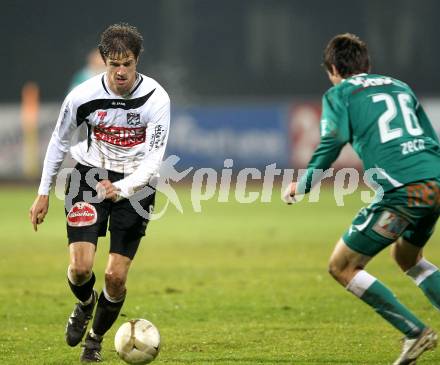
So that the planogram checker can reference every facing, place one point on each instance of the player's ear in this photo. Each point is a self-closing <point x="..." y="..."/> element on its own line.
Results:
<point x="334" y="71"/>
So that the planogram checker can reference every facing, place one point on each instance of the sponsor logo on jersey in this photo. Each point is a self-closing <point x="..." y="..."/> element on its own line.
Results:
<point x="390" y="225"/>
<point x="65" y="114"/>
<point x="82" y="214"/>
<point x="101" y="115"/>
<point x="134" y="119"/>
<point x="364" y="82"/>
<point x="118" y="103"/>
<point x="158" y="137"/>
<point x="120" y="136"/>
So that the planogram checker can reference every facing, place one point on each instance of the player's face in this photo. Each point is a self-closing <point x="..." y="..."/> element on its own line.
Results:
<point x="121" y="72"/>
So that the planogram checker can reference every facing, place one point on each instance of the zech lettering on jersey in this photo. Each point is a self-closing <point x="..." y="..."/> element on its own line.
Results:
<point x="65" y="113"/>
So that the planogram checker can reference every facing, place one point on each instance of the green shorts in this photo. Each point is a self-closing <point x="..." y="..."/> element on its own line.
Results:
<point x="410" y="212"/>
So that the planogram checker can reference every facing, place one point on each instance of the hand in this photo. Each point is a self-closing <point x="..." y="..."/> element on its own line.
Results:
<point x="289" y="193"/>
<point x="38" y="210"/>
<point x="106" y="190"/>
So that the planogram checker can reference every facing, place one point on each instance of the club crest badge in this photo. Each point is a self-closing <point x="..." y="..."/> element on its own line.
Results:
<point x="134" y="119"/>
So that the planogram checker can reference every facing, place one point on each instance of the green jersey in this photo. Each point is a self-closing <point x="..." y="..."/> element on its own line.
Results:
<point x="385" y="124"/>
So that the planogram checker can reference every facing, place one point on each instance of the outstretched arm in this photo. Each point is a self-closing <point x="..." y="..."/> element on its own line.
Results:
<point x="58" y="146"/>
<point x="334" y="135"/>
<point x="323" y="157"/>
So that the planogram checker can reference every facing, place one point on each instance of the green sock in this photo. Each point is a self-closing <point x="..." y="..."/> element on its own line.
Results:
<point x="375" y="294"/>
<point x="427" y="278"/>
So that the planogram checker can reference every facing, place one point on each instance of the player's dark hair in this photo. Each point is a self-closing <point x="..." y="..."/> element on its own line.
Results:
<point x="120" y="38"/>
<point x="348" y="53"/>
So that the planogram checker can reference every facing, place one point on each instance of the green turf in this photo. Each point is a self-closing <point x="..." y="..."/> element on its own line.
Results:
<point x="235" y="284"/>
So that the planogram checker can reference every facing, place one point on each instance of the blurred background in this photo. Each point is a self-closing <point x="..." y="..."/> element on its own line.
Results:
<point x="245" y="77"/>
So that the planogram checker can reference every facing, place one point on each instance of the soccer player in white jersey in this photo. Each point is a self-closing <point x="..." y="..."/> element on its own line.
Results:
<point x="126" y="115"/>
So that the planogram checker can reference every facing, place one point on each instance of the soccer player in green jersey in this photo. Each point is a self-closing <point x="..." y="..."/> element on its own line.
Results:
<point x="384" y="122"/>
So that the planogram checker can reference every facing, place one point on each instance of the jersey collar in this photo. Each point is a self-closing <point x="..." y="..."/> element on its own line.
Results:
<point x="357" y="75"/>
<point x="137" y="82"/>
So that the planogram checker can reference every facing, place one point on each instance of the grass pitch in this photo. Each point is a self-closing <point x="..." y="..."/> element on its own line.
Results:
<point x="239" y="284"/>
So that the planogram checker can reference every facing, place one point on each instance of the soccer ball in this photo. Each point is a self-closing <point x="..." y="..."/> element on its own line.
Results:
<point x="137" y="341"/>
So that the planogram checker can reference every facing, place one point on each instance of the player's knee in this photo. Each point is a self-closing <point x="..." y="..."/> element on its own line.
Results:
<point x="114" y="283"/>
<point x="80" y="273"/>
<point x="342" y="272"/>
<point x="335" y="270"/>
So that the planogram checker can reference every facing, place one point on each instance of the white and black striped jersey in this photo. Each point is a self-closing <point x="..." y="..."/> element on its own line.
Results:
<point x="124" y="134"/>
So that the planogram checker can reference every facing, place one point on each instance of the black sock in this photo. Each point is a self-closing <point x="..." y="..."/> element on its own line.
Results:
<point x="83" y="292"/>
<point x="106" y="314"/>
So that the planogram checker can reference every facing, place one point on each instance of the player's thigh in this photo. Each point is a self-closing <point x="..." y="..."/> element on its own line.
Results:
<point x="424" y="209"/>
<point x="419" y="233"/>
<point x="408" y="249"/>
<point x="86" y="220"/>
<point x="377" y="226"/>
<point x="345" y="256"/>
<point x="128" y="226"/>
<point x="409" y="212"/>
